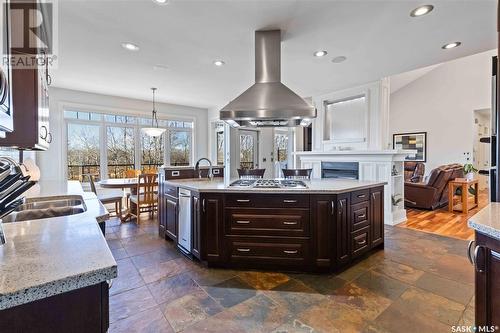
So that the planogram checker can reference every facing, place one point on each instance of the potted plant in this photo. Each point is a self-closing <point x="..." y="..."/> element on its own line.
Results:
<point x="469" y="171"/>
<point x="396" y="199"/>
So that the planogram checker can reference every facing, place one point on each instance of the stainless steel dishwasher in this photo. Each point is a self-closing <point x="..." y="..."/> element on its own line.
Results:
<point x="184" y="241"/>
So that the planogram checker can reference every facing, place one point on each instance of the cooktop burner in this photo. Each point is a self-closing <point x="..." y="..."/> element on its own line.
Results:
<point x="269" y="183"/>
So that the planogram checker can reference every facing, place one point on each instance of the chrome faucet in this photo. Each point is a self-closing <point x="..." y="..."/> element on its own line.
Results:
<point x="197" y="167"/>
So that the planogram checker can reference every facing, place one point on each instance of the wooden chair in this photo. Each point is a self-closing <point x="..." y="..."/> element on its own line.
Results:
<point x="297" y="173"/>
<point x="132" y="173"/>
<point x="251" y="173"/>
<point x="108" y="197"/>
<point x="145" y="197"/>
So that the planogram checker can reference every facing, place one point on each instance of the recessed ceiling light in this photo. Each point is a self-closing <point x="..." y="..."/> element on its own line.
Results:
<point x="451" y="45"/>
<point x="160" y="67"/>
<point x="320" y="53"/>
<point x="339" y="59"/>
<point x="130" y="46"/>
<point x="422" y="10"/>
<point x="219" y="63"/>
<point x="161" y="2"/>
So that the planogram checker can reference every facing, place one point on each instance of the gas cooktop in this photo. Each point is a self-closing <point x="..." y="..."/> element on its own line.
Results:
<point x="269" y="183"/>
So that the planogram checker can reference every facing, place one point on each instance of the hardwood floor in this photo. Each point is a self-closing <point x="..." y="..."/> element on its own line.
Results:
<point x="442" y="222"/>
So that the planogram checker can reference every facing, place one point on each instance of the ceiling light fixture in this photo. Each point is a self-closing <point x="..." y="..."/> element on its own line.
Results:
<point x="320" y="54"/>
<point x="154" y="130"/>
<point x="161" y="2"/>
<point x="339" y="59"/>
<point x="421" y="11"/>
<point x="451" y="45"/>
<point x="219" y="63"/>
<point x="160" y="67"/>
<point x="130" y="46"/>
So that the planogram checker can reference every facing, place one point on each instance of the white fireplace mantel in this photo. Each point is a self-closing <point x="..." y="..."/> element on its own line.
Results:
<point x="374" y="165"/>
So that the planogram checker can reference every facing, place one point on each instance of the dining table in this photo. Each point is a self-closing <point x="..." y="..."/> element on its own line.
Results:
<point x="123" y="184"/>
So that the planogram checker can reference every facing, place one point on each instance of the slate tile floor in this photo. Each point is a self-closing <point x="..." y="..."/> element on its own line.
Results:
<point x="420" y="282"/>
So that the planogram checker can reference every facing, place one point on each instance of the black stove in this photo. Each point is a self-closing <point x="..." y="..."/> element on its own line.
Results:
<point x="243" y="182"/>
<point x="269" y="183"/>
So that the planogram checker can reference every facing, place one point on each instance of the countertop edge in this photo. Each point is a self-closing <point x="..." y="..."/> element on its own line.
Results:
<point x="484" y="229"/>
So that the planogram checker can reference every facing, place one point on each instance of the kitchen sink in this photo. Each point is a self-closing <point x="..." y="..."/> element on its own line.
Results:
<point x="42" y="208"/>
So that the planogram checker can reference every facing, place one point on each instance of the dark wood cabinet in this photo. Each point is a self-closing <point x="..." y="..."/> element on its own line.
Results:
<point x="377" y="215"/>
<point x="212" y="230"/>
<point x="196" y="227"/>
<point x="171" y="222"/>
<point x="82" y="310"/>
<point x="323" y="217"/>
<point x="342" y="229"/>
<point x="487" y="266"/>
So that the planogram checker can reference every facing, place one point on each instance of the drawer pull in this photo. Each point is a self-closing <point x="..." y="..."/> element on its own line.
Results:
<point x="361" y="196"/>
<point x="289" y="223"/>
<point x="243" y="200"/>
<point x="289" y="201"/>
<point x="290" y="251"/>
<point x="243" y="222"/>
<point x="363" y="242"/>
<point x="243" y="250"/>
<point x="362" y="216"/>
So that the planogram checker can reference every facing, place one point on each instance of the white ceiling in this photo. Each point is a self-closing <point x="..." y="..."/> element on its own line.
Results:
<point x="379" y="39"/>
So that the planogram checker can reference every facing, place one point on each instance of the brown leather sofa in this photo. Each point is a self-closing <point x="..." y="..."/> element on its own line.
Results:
<point x="414" y="172"/>
<point x="434" y="193"/>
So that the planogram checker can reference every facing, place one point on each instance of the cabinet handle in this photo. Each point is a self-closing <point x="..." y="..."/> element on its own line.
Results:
<point x="361" y="195"/>
<point x="341" y="203"/>
<point x="289" y="201"/>
<point x="110" y="283"/>
<point x="361" y="243"/>
<point x="362" y="216"/>
<point x="243" y="250"/>
<point x="373" y="196"/>
<point x="289" y="223"/>
<point x="203" y="205"/>
<point x="332" y="207"/>
<point x="49" y="137"/>
<point x="243" y="200"/>
<point x="290" y="251"/>
<point x="45" y="131"/>
<point x="184" y="196"/>
<point x="243" y="222"/>
<point x="469" y="254"/>
<point x="475" y="259"/>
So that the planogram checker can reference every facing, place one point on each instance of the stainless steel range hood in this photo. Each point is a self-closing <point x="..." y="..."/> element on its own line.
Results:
<point x="268" y="102"/>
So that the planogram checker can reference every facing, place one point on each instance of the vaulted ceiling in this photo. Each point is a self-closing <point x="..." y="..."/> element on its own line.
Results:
<point x="379" y="38"/>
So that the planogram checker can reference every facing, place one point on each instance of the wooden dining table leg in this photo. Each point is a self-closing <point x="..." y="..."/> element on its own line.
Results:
<point x="465" y="202"/>
<point x="450" y="198"/>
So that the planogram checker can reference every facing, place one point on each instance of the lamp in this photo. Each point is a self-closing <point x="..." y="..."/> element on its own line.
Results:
<point x="154" y="130"/>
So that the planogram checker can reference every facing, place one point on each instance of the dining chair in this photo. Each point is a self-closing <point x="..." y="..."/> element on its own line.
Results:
<point x="108" y="197"/>
<point x="146" y="196"/>
<point x="251" y="173"/>
<point x="297" y="173"/>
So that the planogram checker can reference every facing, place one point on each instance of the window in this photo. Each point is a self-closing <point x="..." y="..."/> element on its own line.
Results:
<point x="83" y="151"/>
<point x="248" y="149"/>
<point x="120" y="150"/>
<point x="118" y="142"/>
<point x="219" y="142"/>
<point x="180" y="147"/>
<point x="281" y="146"/>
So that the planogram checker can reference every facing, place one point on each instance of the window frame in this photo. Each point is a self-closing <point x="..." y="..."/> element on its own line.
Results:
<point x="137" y="125"/>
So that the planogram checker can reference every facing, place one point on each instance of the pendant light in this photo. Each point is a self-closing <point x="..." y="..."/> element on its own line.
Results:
<point x="154" y="130"/>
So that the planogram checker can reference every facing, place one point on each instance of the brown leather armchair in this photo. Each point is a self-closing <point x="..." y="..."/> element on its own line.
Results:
<point x="414" y="172"/>
<point x="434" y="193"/>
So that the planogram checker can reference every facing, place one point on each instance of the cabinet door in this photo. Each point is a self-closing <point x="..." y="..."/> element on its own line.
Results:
<point x="342" y="229"/>
<point x="322" y="213"/>
<point x="162" y="219"/>
<point x="377" y="216"/>
<point x="212" y="227"/>
<point x="487" y="266"/>
<point x="171" y="218"/>
<point x="196" y="247"/>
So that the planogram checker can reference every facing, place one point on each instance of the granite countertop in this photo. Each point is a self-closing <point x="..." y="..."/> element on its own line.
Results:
<point x="487" y="220"/>
<point x="319" y="186"/>
<point x="46" y="257"/>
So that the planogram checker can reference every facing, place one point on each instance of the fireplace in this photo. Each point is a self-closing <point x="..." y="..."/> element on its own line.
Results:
<point x="343" y="170"/>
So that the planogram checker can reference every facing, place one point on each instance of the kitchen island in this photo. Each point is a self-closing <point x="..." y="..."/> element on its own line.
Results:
<point x="54" y="271"/>
<point x="324" y="226"/>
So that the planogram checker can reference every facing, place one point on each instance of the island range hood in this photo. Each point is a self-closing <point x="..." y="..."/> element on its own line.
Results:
<point x="268" y="103"/>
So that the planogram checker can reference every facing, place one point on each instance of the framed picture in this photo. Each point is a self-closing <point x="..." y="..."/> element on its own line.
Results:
<point x="416" y="141"/>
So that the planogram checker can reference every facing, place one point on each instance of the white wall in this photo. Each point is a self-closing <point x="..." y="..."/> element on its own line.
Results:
<point x="442" y="103"/>
<point x="51" y="162"/>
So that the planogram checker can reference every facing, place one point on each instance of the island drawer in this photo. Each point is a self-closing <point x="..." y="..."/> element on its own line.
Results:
<point x="360" y="241"/>
<point x="267" y="221"/>
<point x="278" y="200"/>
<point x="170" y="190"/>
<point x="360" y="196"/>
<point x="268" y="251"/>
<point x="359" y="215"/>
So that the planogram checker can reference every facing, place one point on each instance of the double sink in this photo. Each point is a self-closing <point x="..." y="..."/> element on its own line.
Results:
<point x="46" y="207"/>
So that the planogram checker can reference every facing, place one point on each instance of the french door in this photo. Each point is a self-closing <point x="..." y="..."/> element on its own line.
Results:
<point x="249" y="149"/>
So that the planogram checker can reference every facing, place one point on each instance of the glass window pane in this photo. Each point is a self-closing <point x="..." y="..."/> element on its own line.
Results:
<point x="188" y="124"/>
<point x="83" y="115"/>
<point x="180" y="147"/>
<point x="281" y="146"/>
<point x="120" y="148"/>
<point x="220" y="147"/>
<point x="71" y="114"/>
<point x="95" y="116"/>
<point x="83" y="151"/>
<point x="152" y="153"/>
<point x="246" y="151"/>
